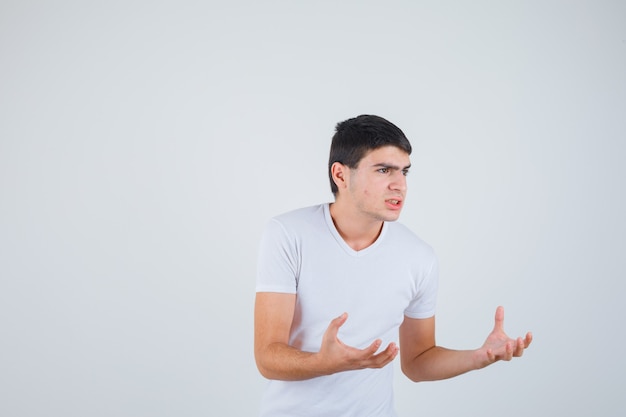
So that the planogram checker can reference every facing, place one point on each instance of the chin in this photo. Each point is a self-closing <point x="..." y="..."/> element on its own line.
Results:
<point x="391" y="217"/>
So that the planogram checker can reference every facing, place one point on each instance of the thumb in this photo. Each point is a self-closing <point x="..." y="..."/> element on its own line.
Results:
<point x="335" y="324"/>
<point x="499" y="319"/>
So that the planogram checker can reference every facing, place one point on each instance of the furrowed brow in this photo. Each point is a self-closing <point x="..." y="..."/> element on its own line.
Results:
<point x="390" y="166"/>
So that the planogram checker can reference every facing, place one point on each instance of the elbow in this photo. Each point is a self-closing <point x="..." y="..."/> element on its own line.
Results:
<point x="260" y="366"/>
<point x="265" y="373"/>
<point x="412" y="375"/>
<point x="411" y="371"/>
<point x="262" y="370"/>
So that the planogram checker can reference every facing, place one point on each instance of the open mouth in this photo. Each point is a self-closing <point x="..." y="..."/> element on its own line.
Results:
<point x="395" y="203"/>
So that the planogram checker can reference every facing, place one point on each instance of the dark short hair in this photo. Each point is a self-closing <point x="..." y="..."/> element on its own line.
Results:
<point x="355" y="137"/>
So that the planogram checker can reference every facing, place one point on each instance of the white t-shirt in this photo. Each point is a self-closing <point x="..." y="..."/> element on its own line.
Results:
<point x="302" y="253"/>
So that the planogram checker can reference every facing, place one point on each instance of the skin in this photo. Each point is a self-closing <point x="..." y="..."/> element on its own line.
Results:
<point x="368" y="195"/>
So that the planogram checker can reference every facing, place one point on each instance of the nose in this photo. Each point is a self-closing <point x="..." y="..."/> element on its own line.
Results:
<point x="398" y="182"/>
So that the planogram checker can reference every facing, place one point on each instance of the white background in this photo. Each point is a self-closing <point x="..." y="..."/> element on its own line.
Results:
<point x="145" y="144"/>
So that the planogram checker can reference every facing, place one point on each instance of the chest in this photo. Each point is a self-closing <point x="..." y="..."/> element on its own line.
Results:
<point x="374" y="290"/>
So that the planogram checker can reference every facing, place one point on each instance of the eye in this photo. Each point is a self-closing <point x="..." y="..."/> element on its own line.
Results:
<point x="383" y="170"/>
<point x="405" y="172"/>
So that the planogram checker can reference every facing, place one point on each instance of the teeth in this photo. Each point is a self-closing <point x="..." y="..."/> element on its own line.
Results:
<point x="393" y="201"/>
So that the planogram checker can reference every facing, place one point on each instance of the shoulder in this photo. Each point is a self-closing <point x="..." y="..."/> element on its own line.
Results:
<point x="287" y="231"/>
<point x="301" y="217"/>
<point x="296" y="223"/>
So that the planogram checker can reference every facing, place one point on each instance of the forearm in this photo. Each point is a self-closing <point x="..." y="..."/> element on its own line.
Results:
<point x="283" y="362"/>
<point x="439" y="363"/>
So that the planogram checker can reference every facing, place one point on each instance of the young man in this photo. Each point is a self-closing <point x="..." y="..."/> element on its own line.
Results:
<point x="340" y="285"/>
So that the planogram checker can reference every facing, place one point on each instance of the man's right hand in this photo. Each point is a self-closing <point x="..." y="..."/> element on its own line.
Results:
<point x="336" y="356"/>
<point x="276" y="359"/>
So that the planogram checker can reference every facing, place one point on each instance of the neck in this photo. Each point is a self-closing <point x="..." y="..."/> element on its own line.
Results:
<point x="357" y="231"/>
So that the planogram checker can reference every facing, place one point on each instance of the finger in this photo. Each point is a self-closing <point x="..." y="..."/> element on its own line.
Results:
<point x="371" y="349"/>
<point x="499" y="319"/>
<point x="519" y="347"/>
<point x="363" y="358"/>
<point x="335" y="324"/>
<point x="384" y="357"/>
<point x="391" y="351"/>
<point x="508" y="351"/>
<point x="529" y="338"/>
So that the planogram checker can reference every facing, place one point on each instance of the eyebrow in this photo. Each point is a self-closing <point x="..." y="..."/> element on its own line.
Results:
<point x="389" y="166"/>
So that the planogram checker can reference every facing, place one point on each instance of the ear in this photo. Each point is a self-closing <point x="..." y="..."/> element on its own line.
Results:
<point x="340" y="174"/>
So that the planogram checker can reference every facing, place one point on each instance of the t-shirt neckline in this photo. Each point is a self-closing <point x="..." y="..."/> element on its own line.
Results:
<point x="333" y="231"/>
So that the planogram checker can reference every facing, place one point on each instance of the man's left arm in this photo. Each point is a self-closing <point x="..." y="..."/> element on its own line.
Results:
<point x="423" y="360"/>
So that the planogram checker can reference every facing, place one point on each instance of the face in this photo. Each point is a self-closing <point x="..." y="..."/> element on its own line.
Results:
<point x="377" y="187"/>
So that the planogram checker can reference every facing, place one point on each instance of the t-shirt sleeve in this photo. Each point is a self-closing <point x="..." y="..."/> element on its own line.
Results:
<point x="423" y="304"/>
<point x="278" y="266"/>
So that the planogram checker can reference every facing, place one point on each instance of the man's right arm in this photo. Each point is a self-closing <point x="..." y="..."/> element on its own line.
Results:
<point x="276" y="359"/>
